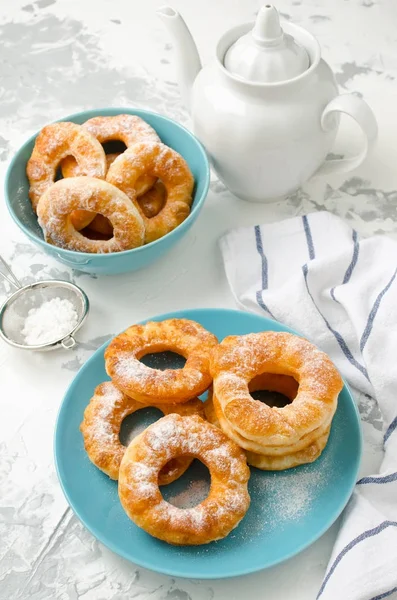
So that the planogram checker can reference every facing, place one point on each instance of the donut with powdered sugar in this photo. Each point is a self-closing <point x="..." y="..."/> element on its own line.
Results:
<point x="129" y="129"/>
<point x="101" y="428"/>
<point x="156" y="159"/>
<point x="216" y="516"/>
<point x="183" y="336"/>
<point x="274" y="431"/>
<point x="54" y="143"/>
<point x="86" y="193"/>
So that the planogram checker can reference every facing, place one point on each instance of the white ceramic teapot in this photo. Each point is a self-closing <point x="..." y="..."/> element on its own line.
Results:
<point x="267" y="109"/>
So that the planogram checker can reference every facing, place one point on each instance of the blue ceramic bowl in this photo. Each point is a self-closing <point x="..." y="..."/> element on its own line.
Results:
<point x="172" y="134"/>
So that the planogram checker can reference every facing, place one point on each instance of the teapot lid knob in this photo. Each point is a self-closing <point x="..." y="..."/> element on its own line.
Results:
<point x="266" y="54"/>
<point x="267" y="29"/>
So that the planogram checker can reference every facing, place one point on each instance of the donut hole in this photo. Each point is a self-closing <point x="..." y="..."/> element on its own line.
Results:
<point x="190" y="489"/>
<point x="272" y="399"/>
<point x="99" y="229"/>
<point x="132" y="425"/>
<point x="273" y="390"/>
<point x="114" y="147"/>
<point x="58" y="173"/>
<point x="161" y="185"/>
<point x="163" y="360"/>
<point x="90" y="234"/>
<point x="154" y="200"/>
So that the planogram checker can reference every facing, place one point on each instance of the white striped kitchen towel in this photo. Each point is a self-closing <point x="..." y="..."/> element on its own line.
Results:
<point x="314" y="274"/>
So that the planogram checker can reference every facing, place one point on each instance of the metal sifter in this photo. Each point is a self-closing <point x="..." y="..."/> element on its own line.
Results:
<point x="15" y="310"/>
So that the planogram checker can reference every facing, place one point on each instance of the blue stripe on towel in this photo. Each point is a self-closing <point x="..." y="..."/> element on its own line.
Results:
<point x="353" y="263"/>
<point x="264" y="271"/>
<point x="372" y="314"/>
<point x="385" y="594"/>
<point x="350" y="268"/>
<point x="342" y="344"/>
<point x="332" y="292"/>
<point x="309" y="239"/>
<point x="392" y="427"/>
<point x="383" y="479"/>
<point x="259" y="247"/>
<point x="363" y="536"/>
<point x="259" y="300"/>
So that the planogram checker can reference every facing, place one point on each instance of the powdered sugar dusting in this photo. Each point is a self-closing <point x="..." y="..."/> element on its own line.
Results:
<point x="130" y="371"/>
<point x="241" y="354"/>
<point x="171" y="433"/>
<point x="175" y="436"/>
<point x="292" y="496"/>
<point x="101" y="425"/>
<point x="129" y="129"/>
<point x="286" y="495"/>
<point x="163" y="436"/>
<point x="144" y="479"/>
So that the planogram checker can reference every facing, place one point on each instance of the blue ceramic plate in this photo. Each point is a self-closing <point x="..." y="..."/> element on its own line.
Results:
<point x="289" y="510"/>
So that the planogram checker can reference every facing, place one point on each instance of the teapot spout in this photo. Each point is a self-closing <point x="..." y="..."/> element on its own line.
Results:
<point x="188" y="60"/>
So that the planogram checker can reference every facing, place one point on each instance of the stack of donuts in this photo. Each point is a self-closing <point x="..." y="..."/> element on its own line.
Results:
<point x="107" y="202"/>
<point x="225" y="432"/>
<point x="274" y="438"/>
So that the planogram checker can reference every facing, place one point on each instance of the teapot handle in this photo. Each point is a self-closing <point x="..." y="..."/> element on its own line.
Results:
<point x="358" y="109"/>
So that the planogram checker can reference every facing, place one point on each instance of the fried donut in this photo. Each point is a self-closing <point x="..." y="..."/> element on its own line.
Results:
<point x="275" y="458"/>
<point x="87" y="193"/>
<point x="129" y="129"/>
<point x="144" y="384"/>
<point x="283" y="384"/>
<point x="153" y="201"/>
<point x="215" y="415"/>
<point x="169" y="166"/>
<point x="238" y="359"/>
<point x="70" y="168"/>
<point x="168" y="438"/>
<point x="101" y="427"/>
<point x="52" y="145"/>
<point x="268" y="462"/>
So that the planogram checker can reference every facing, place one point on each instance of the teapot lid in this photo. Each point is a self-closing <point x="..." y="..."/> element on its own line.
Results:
<point x="266" y="54"/>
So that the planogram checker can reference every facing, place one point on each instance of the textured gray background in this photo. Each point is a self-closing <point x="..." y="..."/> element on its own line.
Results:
<point x="58" y="57"/>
